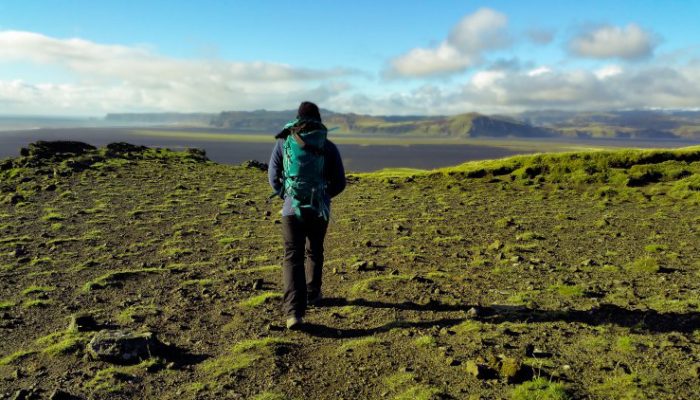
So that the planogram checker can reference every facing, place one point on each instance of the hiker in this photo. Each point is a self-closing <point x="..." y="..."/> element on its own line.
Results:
<point x="305" y="170"/>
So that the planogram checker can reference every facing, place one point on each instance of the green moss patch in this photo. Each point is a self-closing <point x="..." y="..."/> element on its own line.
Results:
<point x="646" y="265"/>
<point x="540" y="389"/>
<point x="242" y="355"/>
<point x="260" y="299"/>
<point x="16" y="356"/>
<point x="37" y="289"/>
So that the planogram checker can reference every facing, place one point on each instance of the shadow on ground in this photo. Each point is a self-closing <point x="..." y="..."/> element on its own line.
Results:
<point x="179" y="356"/>
<point x="642" y="320"/>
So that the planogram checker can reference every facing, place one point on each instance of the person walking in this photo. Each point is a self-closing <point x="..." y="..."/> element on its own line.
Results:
<point x="306" y="170"/>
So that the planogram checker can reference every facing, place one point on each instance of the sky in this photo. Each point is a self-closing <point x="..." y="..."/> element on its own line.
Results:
<point x="89" y="58"/>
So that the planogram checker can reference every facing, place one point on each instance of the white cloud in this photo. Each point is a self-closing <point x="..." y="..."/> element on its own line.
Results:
<point x="608" y="88"/>
<point x="114" y="78"/>
<point x="539" y="71"/>
<point x="629" y="43"/>
<point x="485" y="79"/>
<point x="607" y="71"/>
<point x="123" y="78"/>
<point x="483" y="30"/>
<point x="475" y="34"/>
<point x="515" y="90"/>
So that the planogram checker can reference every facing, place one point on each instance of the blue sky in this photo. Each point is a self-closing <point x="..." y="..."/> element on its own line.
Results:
<point x="376" y="57"/>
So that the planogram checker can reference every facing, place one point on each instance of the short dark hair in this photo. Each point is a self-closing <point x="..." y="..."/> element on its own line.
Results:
<point x="308" y="110"/>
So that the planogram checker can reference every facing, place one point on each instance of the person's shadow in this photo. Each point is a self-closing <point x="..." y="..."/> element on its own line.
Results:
<point x="640" y="320"/>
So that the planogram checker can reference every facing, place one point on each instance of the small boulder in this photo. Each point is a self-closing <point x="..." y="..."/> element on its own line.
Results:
<point x="695" y="370"/>
<point x="6" y="164"/>
<point x="122" y="346"/>
<point x="82" y="323"/>
<point x="510" y="368"/>
<point x="197" y="154"/>
<point x="422" y="279"/>
<point x="588" y="263"/>
<point x="24" y="394"/>
<point x="477" y="370"/>
<point x="400" y="229"/>
<point x="532" y="351"/>
<point x="19" y="251"/>
<point x="13" y="198"/>
<point x="122" y="148"/>
<point x="61" y="395"/>
<point x="365" y="266"/>
<point x="359" y="266"/>
<point x="255" y="164"/>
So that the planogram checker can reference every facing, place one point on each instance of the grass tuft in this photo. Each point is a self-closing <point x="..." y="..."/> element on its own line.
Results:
<point x="242" y="355"/>
<point x="37" y="289"/>
<point x="18" y="355"/>
<point x="567" y="290"/>
<point x="36" y="303"/>
<point x="418" y="392"/>
<point x="645" y="264"/>
<point x="260" y="299"/>
<point x="117" y="379"/>
<point x="6" y="304"/>
<point x="269" y="396"/>
<point x="540" y="389"/>
<point x="655" y="248"/>
<point x="369" y="283"/>
<point x="425" y="341"/>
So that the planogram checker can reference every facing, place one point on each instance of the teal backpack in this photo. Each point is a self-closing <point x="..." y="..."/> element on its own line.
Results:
<point x="303" y="164"/>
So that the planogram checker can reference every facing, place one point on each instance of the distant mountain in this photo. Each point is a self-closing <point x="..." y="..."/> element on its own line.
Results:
<point x="463" y="125"/>
<point x="259" y="120"/>
<point x="161" y="118"/>
<point x="636" y="124"/>
<point x="633" y="124"/>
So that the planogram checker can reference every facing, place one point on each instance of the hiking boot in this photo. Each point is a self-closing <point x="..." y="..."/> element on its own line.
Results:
<point x="315" y="301"/>
<point x="294" y="323"/>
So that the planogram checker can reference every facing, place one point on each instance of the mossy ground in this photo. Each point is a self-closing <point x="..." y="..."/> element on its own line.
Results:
<point x="582" y="268"/>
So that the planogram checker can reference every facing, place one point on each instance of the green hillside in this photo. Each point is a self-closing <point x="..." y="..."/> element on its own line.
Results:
<point x="553" y="276"/>
<point x="635" y="124"/>
<point x="463" y="125"/>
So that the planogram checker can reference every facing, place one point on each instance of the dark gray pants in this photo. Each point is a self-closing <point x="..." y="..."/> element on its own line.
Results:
<point x="303" y="261"/>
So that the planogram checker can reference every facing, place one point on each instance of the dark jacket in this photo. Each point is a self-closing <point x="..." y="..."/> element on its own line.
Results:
<point x="333" y="171"/>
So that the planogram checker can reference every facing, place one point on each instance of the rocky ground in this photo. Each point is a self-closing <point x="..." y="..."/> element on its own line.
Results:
<point x="128" y="272"/>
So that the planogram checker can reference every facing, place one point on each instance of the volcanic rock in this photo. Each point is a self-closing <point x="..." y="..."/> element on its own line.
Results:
<point x="122" y="346"/>
<point x="44" y="150"/>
